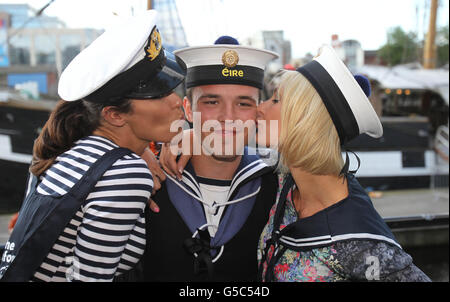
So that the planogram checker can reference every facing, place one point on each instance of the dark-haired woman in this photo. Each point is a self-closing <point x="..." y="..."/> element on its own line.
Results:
<point x="83" y="217"/>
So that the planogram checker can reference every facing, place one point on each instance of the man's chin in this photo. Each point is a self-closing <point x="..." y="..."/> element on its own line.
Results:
<point x="225" y="151"/>
<point x="225" y="158"/>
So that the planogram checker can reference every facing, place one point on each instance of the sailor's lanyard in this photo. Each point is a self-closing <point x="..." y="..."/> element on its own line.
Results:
<point x="278" y="218"/>
<point x="276" y="232"/>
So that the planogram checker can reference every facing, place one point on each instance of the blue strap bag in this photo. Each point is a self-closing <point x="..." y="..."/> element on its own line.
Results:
<point x="42" y="218"/>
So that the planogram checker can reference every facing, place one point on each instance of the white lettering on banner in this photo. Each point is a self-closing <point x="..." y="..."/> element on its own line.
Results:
<point x="9" y="247"/>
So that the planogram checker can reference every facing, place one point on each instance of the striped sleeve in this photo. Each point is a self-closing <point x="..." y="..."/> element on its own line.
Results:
<point x="111" y="236"/>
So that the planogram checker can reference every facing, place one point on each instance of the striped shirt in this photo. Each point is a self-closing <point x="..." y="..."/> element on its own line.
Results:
<point x="106" y="236"/>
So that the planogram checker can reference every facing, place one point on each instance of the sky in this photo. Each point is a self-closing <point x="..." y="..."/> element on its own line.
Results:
<point x="306" y="23"/>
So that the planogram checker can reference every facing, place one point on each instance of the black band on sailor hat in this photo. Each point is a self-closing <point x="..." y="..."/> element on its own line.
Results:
<point x="127" y="61"/>
<point x="225" y="63"/>
<point x="145" y="80"/>
<point x="217" y="74"/>
<point x="342" y="95"/>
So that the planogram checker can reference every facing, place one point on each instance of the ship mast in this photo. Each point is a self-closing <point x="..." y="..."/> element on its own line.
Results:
<point x="429" y="54"/>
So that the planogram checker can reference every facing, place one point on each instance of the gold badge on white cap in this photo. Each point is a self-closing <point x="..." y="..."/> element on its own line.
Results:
<point x="155" y="44"/>
<point x="230" y="58"/>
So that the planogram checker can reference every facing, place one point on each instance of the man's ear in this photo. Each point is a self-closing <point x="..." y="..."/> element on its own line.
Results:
<point x="187" y="105"/>
<point x="113" y="117"/>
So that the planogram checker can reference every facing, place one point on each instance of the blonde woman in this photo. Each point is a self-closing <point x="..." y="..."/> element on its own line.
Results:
<point x="324" y="226"/>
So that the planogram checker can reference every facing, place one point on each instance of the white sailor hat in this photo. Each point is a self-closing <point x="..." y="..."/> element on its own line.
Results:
<point x="126" y="61"/>
<point x="225" y="63"/>
<point x="345" y="96"/>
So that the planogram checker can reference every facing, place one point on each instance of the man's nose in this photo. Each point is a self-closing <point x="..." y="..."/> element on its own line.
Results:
<point x="261" y="110"/>
<point x="227" y="113"/>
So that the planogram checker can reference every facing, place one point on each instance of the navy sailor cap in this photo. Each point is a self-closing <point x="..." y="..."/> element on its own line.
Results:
<point x="126" y="61"/>
<point x="225" y="63"/>
<point x="343" y="95"/>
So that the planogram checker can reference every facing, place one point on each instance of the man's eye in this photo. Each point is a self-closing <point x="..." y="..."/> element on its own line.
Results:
<point x="211" y="102"/>
<point x="245" y="104"/>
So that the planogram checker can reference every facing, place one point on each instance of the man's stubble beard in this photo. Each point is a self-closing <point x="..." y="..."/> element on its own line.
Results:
<point x="225" y="158"/>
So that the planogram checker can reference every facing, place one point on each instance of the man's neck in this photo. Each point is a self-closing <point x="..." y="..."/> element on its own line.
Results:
<point x="215" y="167"/>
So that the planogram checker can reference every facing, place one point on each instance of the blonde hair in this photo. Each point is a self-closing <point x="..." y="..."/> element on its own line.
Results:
<point x="308" y="137"/>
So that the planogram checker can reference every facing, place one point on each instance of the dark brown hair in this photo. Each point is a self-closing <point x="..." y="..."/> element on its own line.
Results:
<point x="68" y="122"/>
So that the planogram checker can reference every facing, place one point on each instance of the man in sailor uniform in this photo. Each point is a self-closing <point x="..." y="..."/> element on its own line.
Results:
<point x="210" y="219"/>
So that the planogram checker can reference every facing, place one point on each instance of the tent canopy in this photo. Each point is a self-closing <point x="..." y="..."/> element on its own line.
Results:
<point x="409" y="76"/>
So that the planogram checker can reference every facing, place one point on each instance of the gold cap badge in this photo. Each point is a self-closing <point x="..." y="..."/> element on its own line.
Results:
<point x="230" y="58"/>
<point x="154" y="44"/>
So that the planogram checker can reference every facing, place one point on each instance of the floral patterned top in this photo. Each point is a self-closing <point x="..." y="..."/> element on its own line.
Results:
<point x="309" y="266"/>
<point x="336" y="261"/>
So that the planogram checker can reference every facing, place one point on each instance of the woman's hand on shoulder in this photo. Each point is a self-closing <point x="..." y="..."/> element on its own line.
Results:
<point x="169" y="154"/>
<point x="157" y="173"/>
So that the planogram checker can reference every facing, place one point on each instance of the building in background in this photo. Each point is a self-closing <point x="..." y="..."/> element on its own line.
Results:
<point x="36" y="49"/>
<point x="169" y="24"/>
<point x="337" y="46"/>
<point x="272" y="40"/>
<point x="349" y="51"/>
<point x="371" y="58"/>
<point x="4" y="21"/>
<point x="354" y="54"/>
<point x="22" y="15"/>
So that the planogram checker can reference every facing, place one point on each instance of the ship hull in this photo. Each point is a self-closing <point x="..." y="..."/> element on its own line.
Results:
<point x="13" y="181"/>
<point x="401" y="159"/>
<point x="396" y="170"/>
<point x="20" y="124"/>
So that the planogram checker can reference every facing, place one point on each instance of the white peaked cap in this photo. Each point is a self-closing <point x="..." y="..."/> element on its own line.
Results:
<point x="225" y="64"/>
<point x="127" y="58"/>
<point x="346" y="101"/>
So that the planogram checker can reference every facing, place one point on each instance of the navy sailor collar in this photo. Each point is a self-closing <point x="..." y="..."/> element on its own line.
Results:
<point x="250" y="167"/>
<point x="353" y="218"/>
<point x="186" y="197"/>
